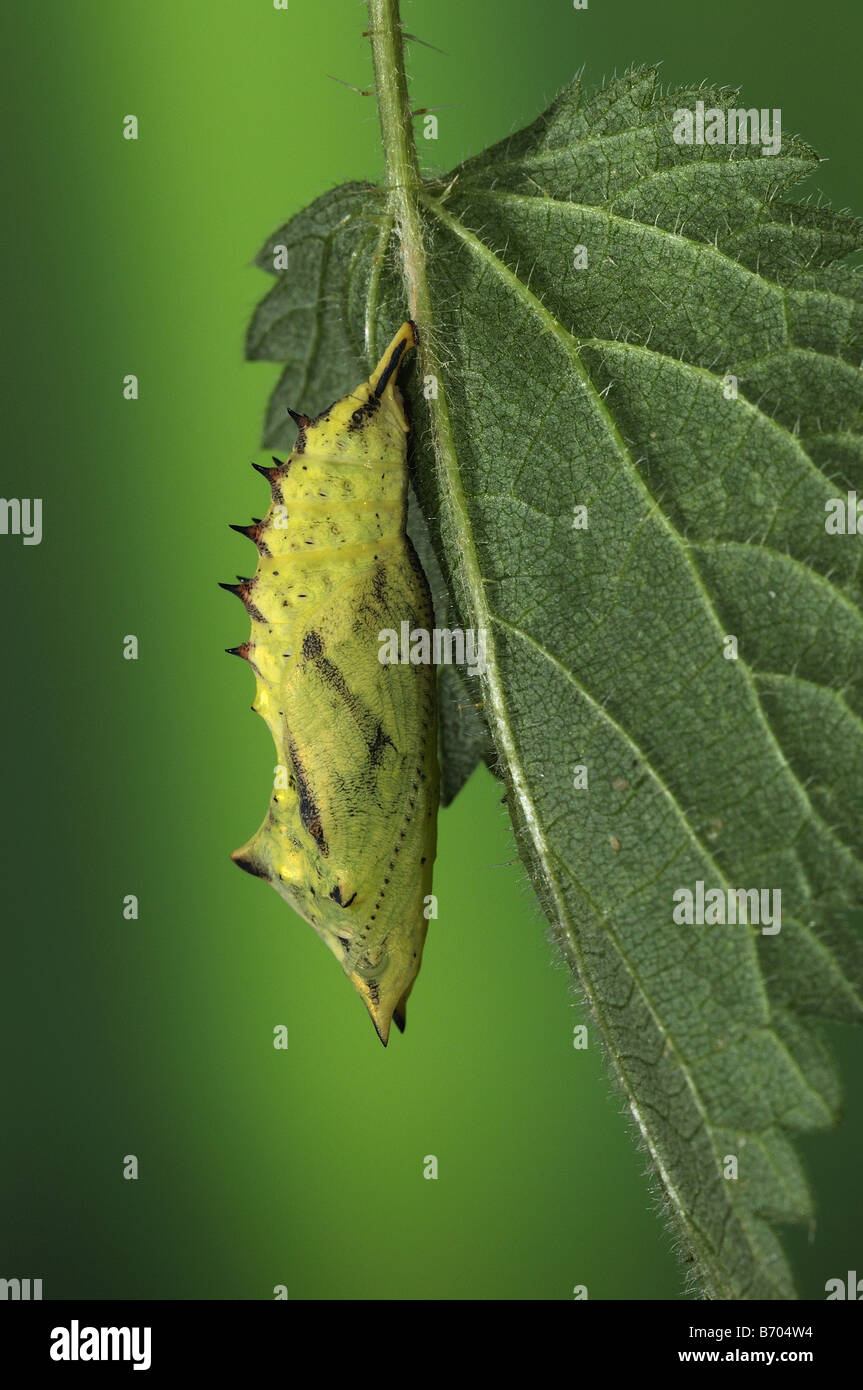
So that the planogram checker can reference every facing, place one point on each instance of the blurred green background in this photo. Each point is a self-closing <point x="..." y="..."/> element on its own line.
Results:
<point x="154" y="1037"/>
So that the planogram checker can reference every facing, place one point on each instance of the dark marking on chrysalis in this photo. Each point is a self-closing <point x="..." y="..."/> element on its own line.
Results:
<point x="369" y="726"/>
<point x="376" y="748"/>
<point x="309" y="813"/>
<point x="388" y="370"/>
<point x="363" y="414"/>
<point x="379" y="586"/>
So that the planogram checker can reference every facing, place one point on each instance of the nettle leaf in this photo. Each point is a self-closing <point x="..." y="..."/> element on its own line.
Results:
<point x="691" y="377"/>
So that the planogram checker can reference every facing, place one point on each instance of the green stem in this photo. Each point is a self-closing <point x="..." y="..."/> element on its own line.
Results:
<point x="403" y="174"/>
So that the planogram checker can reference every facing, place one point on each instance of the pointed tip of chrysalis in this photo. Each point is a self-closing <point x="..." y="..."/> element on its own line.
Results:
<point x="236" y="589"/>
<point x="245" y="859"/>
<point x="385" y="372"/>
<point x="301" y="421"/>
<point x="251" y="531"/>
<point x="382" y="1031"/>
<point x="242" y="651"/>
<point x="243" y="591"/>
<point x="382" y="1017"/>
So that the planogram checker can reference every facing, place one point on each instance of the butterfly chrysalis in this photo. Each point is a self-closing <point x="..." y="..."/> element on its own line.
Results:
<point x="349" y="837"/>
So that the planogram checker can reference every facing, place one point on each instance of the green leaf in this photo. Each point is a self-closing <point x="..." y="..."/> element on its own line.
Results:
<point x="612" y="387"/>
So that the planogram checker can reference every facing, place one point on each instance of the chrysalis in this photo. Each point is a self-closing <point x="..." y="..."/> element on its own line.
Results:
<point x="349" y="838"/>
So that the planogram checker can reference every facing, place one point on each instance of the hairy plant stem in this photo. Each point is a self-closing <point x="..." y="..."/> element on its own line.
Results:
<point x="403" y="175"/>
